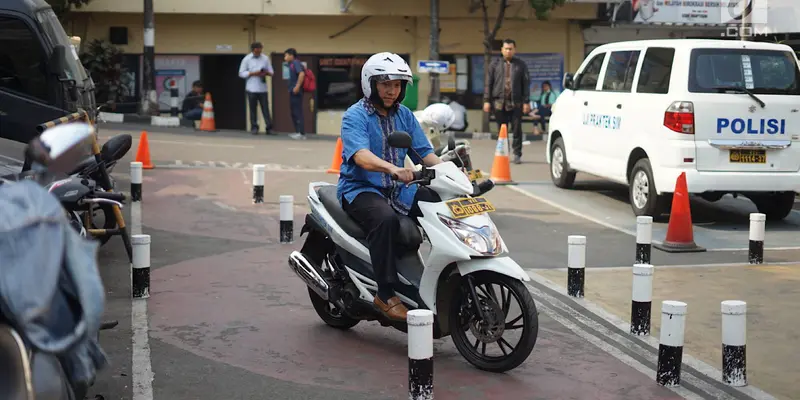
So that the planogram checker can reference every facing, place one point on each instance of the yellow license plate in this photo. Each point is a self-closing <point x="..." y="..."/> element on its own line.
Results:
<point x="475" y="174"/>
<point x="748" y="156"/>
<point x="463" y="208"/>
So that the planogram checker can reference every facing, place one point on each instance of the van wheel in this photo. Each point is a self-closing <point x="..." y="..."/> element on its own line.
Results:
<point x="642" y="191"/>
<point x="559" y="168"/>
<point x="776" y="206"/>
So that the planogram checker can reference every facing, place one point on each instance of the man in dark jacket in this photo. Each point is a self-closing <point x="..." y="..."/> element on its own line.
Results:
<point x="509" y="94"/>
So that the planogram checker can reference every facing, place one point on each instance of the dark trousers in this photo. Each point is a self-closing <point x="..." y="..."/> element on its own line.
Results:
<point x="544" y="112"/>
<point x="261" y="99"/>
<point x="382" y="224"/>
<point x="513" y="119"/>
<point x="296" y="106"/>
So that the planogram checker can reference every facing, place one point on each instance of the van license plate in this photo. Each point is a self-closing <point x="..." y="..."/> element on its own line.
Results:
<point x="463" y="208"/>
<point x="748" y="156"/>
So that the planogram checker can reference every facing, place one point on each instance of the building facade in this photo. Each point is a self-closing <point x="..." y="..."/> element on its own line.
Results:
<point x="333" y="38"/>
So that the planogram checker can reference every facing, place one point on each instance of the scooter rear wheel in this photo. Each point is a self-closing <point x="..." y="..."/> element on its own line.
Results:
<point x="331" y="314"/>
<point x="489" y="333"/>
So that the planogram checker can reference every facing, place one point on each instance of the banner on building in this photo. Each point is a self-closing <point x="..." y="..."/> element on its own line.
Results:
<point x="542" y="67"/>
<point x="691" y="12"/>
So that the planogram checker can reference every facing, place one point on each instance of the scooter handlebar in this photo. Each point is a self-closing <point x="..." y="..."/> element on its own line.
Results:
<point x="417" y="176"/>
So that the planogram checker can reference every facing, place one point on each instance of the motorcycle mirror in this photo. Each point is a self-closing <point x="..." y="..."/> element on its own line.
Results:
<point x="451" y="142"/>
<point x="60" y="148"/>
<point x="400" y="140"/>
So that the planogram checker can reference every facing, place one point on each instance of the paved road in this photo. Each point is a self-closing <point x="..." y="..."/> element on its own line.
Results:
<point x="228" y="320"/>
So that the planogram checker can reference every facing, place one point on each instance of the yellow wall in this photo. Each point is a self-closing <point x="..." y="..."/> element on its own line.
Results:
<point x="200" y="34"/>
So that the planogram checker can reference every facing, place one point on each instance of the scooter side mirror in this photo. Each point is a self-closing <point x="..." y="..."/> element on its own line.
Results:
<point x="451" y="142"/>
<point x="400" y="140"/>
<point x="60" y="148"/>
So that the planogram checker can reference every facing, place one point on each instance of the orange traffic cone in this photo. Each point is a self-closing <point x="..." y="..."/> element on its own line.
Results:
<point x="336" y="161"/>
<point x="680" y="237"/>
<point x="207" y="121"/>
<point x="501" y="168"/>
<point x="143" y="152"/>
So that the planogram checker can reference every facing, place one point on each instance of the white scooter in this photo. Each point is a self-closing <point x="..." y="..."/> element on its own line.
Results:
<point x="456" y="280"/>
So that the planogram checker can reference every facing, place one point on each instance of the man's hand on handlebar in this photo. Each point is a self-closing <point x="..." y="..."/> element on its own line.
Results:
<point x="406" y="175"/>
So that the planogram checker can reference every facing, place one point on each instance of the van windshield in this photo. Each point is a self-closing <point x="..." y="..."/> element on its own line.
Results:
<point x="758" y="71"/>
<point x="55" y="33"/>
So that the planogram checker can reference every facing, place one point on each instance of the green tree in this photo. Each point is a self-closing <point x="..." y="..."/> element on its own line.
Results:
<point x="541" y="9"/>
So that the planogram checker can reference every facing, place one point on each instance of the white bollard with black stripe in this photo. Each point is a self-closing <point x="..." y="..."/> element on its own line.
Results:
<point x="140" y="276"/>
<point x="174" y="101"/>
<point x="670" y="348"/>
<point x="420" y="354"/>
<point x="644" y="239"/>
<point x="734" y="338"/>
<point x="576" y="265"/>
<point x="641" y="299"/>
<point x="258" y="183"/>
<point x="755" y="254"/>
<point x="287" y="218"/>
<point x="136" y="181"/>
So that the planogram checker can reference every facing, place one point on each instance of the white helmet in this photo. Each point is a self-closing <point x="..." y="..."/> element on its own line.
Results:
<point x="384" y="67"/>
<point x="439" y="115"/>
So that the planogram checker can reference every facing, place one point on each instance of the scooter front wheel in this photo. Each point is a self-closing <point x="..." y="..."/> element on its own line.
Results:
<point x="478" y="334"/>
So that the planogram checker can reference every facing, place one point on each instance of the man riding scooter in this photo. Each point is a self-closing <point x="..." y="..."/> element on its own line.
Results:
<point x="366" y="189"/>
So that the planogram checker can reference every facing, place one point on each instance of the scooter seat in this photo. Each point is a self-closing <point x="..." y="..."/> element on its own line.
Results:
<point x="327" y="194"/>
<point x="87" y="163"/>
<point x="410" y="236"/>
<point x="17" y="374"/>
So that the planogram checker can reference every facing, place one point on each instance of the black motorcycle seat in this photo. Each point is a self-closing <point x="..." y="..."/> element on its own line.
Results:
<point x="88" y="162"/>
<point x="16" y="366"/>
<point x="410" y="235"/>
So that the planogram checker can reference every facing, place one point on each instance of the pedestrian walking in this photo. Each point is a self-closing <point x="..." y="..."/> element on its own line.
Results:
<point x="254" y="68"/>
<point x="297" y="73"/>
<point x="508" y="94"/>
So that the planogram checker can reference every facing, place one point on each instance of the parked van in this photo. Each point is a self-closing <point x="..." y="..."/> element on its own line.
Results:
<point x="727" y="113"/>
<point x="41" y="77"/>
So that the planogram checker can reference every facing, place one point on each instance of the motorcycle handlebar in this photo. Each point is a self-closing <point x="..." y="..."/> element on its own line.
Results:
<point x="109" y="196"/>
<point x="417" y="176"/>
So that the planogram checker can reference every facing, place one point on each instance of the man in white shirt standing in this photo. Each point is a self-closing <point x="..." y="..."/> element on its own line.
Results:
<point x="254" y="68"/>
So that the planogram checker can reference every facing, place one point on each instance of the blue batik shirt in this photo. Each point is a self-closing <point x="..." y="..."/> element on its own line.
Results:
<point x="364" y="128"/>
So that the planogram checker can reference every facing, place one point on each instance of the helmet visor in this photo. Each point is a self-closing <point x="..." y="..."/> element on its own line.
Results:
<point x="393" y="77"/>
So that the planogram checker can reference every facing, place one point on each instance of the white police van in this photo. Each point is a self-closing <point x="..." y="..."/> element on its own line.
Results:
<point x="727" y="113"/>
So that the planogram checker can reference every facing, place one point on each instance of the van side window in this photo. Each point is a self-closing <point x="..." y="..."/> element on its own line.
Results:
<point x="656" y="70"/>
<point x="22" y="61"/>
<point x="620" y="71"/>
<point x="587" y="80"/>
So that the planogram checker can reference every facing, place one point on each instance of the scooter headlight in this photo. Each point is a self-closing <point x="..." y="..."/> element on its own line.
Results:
<point x="485" y="240"/>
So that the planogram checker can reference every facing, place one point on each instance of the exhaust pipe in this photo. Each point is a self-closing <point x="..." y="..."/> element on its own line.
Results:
<point x="305" y="270"/>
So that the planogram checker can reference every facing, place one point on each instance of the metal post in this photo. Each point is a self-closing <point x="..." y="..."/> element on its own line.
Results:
<point x="286" y="218"/>
<point x="434" y="96"/>
<point x="734" y="342"/>
<point x="149" y="100"/>
<point x="576" y="264"/>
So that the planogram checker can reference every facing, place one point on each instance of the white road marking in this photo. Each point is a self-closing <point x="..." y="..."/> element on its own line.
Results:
<point x="614" y="320"/>
<point x="202" y="144"/>
<point x="659" y="266"/>
<point x="141" y="367"/>
<point x="224" y="206"/>
<point x="12" y="159"/>
<point x="178" y="164"/>
<point x="623" y="230"/>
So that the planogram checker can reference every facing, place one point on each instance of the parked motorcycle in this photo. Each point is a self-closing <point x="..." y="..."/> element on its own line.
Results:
<point x="50" y="300"/>
<point x="456" y="280"/>
<point x="434" y="120"/>
<point x="80" y="196"/>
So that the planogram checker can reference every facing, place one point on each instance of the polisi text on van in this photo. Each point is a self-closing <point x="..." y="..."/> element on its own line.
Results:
<point x="752" y="126"/>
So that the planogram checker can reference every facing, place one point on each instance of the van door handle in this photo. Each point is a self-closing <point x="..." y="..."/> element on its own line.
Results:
<point x="619" y="106"/>
<point x="586" y="103"/>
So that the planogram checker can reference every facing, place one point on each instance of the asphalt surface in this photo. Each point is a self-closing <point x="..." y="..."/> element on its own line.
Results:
<point x="229" y="320"/>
